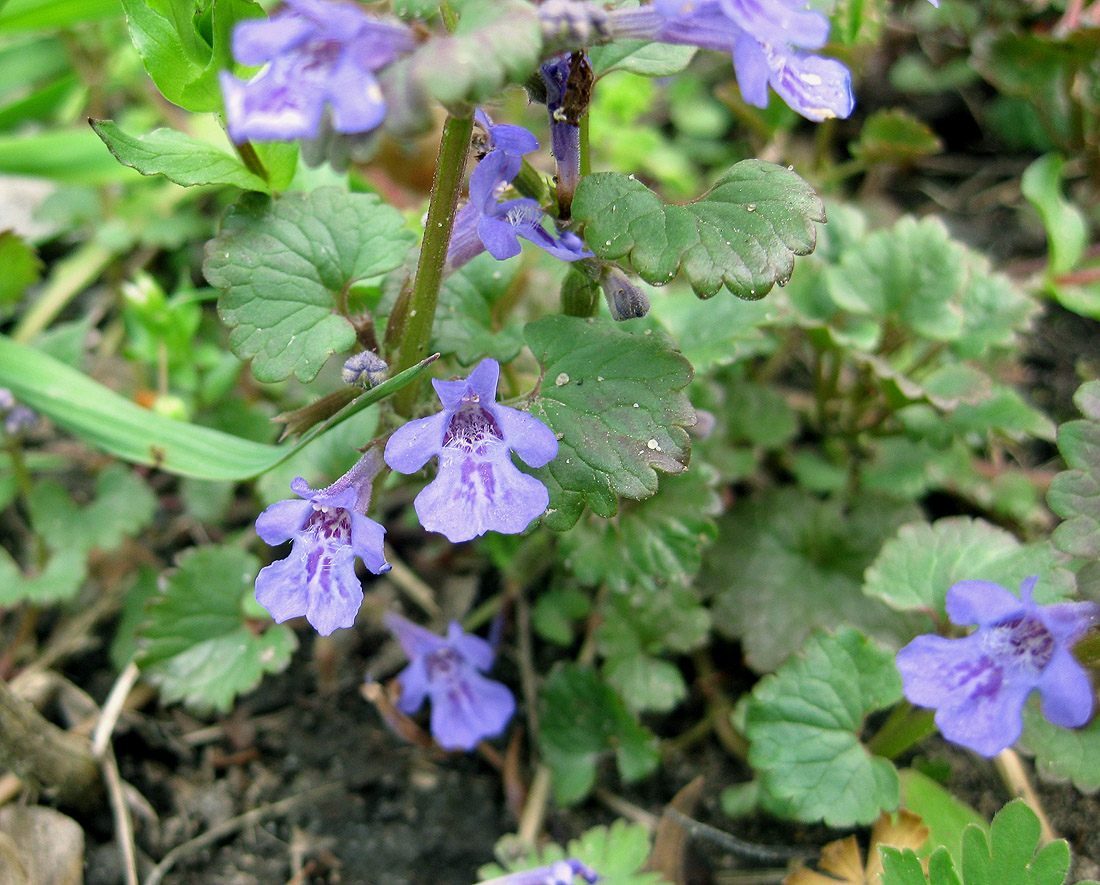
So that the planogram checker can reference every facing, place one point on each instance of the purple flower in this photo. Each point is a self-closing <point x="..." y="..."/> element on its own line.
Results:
<point x="565" y="132"/>
<point x="560" y="872"/>
<point x="979" y="684"/>
<point x="515" y="141"/>
<point x="486" y="223"/>
<point x="765" y="38"/>
<point x="329" y="530"/>
<point x="466" y="707"/>
<point x="477" y="488"/>
<point x="318" y="55"/>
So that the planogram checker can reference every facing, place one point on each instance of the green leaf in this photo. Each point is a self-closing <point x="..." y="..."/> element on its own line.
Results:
<point x="117" y="425"/>
<point x="763" y="416"/>
<point x="58" y="581"/>
<point x="653" y="543"/>
<point x="616" y="400"/>
<point x="912" y="273"/>
<point x="583" y="719"/>
<point x="903" y="867"/>
<point x="802" y="724"/>
<point x="22" y="268"/>
<point x="284" y="264"/>
<point x="946" y="816"/>
<point x="786" y="562"/>
<point x="915" y="569"/>
<point x="180" y="158"/>
<point x="714" y="333"/>
<point x="1065" y="224"/>
<point x="123" y="505"/>
<point x="1062" y="753"/>
<point x="465" y="324"/>
<point x="894" y="136"/>
<point x="43" y="15"/>
<point x="1075" y="494"/>
<point x="619" y="852"/>
<point x="70" y="156"/>
<point x="640" y="57"/>
<point x="195" y="643"/>
<point x="177" y="56"/>
<point x="1011" y="855"/>
<point x="556" y="613"/>
<point x="743" y="233"/>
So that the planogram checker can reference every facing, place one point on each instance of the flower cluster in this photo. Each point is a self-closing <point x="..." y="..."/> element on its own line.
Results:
<point x="978" y="684"/>
<point x="320" y="59"/>
<point x="329" y="528"/>
<point x="477" y="488"/>
<point x="487" y="223"/>
<point x="466" y="707"/>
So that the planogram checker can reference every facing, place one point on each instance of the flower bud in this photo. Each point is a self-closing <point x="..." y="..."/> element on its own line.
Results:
<point x="366" y="369"/>
<point x="624" y="299"/>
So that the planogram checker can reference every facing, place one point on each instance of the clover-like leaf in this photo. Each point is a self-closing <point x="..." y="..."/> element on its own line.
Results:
<point x="915" y="569"/>
<point x="181" y="158"/>
<point x="743" y="233"/>
<point x="1075" y="494"/>
<point x="786" y="562"/>
<point x="1010" y="855"/>
<point x="284" y="265"/>
<point x="616" y="399"/>
<point x="196" y="642"/>
<point x="894" y="136"/>
<point x="803" y="725"/>
<point x="584" y="719"/>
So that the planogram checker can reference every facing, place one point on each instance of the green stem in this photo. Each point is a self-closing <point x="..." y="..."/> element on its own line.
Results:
<point x="530" y="183"/>
<point x="71" y="276"/>
<point x="251" y="159"/>
<point x="903" y="727"/>
<point x="450" y="167"/>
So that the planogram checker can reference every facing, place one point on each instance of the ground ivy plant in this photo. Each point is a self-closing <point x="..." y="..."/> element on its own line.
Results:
<point x="662" y="427"/>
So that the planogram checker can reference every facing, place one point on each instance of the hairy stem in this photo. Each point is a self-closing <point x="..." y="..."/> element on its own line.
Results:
<point x="451" y="164"/>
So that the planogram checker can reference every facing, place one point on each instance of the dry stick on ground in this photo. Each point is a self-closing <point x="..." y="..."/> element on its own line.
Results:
<point x="101" y="748"/>
<point x="38" y="751"/>
<point x="249" y="818"/>
<point x="1014" y="776"/>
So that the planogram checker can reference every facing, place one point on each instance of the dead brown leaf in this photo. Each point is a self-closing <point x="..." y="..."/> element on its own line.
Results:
<point x="841" y="861"/>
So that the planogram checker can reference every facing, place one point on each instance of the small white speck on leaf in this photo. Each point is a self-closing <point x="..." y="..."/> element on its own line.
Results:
<point x="653" y="444"/>
<point x="635" y="405"/>
<point x="561" y="380"/>
<point x="751" y="207"/>
<point x="599" y="377"/>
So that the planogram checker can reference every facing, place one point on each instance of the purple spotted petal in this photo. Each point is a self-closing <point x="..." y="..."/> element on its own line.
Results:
<point x="526" y="435"/>
<point x="414" y="686"/>
<point x="817" y="88"/>
<point x="413" y="444"/>
<point x="500" y="238"/>
<point x="282" y="521"/>
<point x="466" y="713"/>
<point x="415" y="640"/>
<point x="987" y="723"/>
<point x="269" y="108"/>
<point x="982" y="603"/>
<point x="256" y="42"/>
<point x="473" y="494"/>
<point x="1067" y="698"/>
<point x="473" y="648"/>
<point x="778" y="21"/>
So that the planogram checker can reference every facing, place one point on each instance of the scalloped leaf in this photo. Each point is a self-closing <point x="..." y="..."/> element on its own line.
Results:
<point x="743" y="233"/>
<point x="582" y="720"/>
<point x="786" y="562"/>
<point x="616" y="400"/>
<point x="196" y="642"/>
<point x="282" y="264"/>
<point x="803" y="726"/>
<point x="1062" y="753"/>
<point x="915" y="568"/>
<point x="1075" y="494"/>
